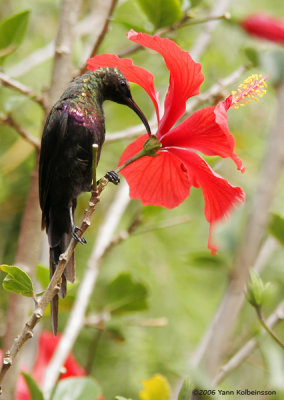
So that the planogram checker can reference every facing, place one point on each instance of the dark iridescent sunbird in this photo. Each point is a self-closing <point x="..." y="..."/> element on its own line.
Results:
<point x="74" y="124"/>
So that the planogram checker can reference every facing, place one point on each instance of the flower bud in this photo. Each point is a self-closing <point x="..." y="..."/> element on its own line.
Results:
<point x="256" y="290"/>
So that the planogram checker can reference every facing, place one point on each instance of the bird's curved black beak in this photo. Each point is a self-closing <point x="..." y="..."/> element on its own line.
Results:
<point x="131" y="104"/>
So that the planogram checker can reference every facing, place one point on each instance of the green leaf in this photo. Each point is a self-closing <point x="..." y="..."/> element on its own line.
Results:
<point x="17" y="281"/>
<point x="253" y="56"/>
<point x="123" y="294"/>
<point x="162" y="12"/>
<point x="42" y="275"/>
<point x="12" y="32"/>
<point x="203" y="259"/>
<point x="77" y="389"/>
<point x="276" y="228"/>
<point x="130" y="15"/>
<point x="35" y="392"/>
<point x="185" y="391"/>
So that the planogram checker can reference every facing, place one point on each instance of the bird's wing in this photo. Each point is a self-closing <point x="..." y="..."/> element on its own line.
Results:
<point x="53" y="134"/>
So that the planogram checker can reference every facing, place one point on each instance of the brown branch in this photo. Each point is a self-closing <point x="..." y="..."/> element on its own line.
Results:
<point x="63" y="67"/>
<point x="102" y="33"/>
<point x="19" y="87"/>
<point x="53" y="286"/>
<point x="9" y="121"/>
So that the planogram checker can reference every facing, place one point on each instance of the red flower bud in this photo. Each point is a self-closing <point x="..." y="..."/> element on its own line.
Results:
<point x="265" y="27"/>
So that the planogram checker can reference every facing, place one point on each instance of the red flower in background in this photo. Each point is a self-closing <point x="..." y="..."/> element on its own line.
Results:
<point x="46" y="348"/>
<point x="165" y="180"/>
<point x="265" y="27"/>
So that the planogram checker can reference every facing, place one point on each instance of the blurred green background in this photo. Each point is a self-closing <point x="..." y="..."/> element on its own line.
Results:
<point x="184" y="283"/>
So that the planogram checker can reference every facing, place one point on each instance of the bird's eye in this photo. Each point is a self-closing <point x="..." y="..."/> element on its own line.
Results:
<point x="122" y="83"/>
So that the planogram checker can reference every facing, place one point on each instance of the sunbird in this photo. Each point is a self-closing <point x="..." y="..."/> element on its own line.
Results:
<point x="74" y="124"/>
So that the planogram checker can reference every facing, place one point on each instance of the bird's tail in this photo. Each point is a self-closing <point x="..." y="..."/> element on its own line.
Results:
<point x="69" y="274"/>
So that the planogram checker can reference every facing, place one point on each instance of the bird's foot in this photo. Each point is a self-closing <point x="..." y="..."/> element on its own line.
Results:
<point x="75" y="235"/>
<point x="113" y="177"/>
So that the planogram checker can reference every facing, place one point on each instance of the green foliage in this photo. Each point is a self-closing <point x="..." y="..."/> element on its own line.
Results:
<point x="17" y="281"/>
<point x="77" y="389"/>
<point x="35" y="392"/>
<point x="186" y="389"/>
<point x="276" y="227"/>
<point x="12" y="32"/>
<point x="130" y="16"/>
<point x="42" y="275"/>
<point x="162" y="12"/>
<point x="123" y="294"/>
<point x="252" y="55"/>
<point x="203" y="259"/>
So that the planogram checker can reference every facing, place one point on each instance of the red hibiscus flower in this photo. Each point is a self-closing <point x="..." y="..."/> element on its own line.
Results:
<point x="265" y="27"/>
<point x="165" y="180"/>
<point x="46" y="348"/>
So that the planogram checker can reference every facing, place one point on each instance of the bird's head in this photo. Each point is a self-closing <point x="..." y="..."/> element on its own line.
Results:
<point x="116" y="88"/>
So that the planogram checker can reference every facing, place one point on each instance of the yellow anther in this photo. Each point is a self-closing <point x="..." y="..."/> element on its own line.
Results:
<point x="252" y="87"/>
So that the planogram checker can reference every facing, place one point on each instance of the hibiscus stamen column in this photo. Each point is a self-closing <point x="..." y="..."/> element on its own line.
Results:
<point x="252" y="88"/>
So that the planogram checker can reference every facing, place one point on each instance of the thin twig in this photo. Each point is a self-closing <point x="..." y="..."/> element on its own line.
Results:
<point x="53" y="286"/>
<point x="19" y="87"/>
<point x="102" y="33"/>
<point x="9" y="121"/>
<point x="95" y="161"/>
<point x="238" y="358"/>
<point x="267" y="328"/>
<point x="185" y="21"/>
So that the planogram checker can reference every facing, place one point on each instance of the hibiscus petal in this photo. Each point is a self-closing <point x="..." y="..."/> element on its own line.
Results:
<point x="219" y="195"/>
<point x="185" y="76"/>
<point x="207" y="131"/>
<point x="160" y="181"/>
<point x="132" y="72"/>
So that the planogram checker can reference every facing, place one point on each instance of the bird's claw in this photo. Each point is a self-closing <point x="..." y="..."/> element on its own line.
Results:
<point x="75" y="235"/>
<point x="113" y="177"/>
